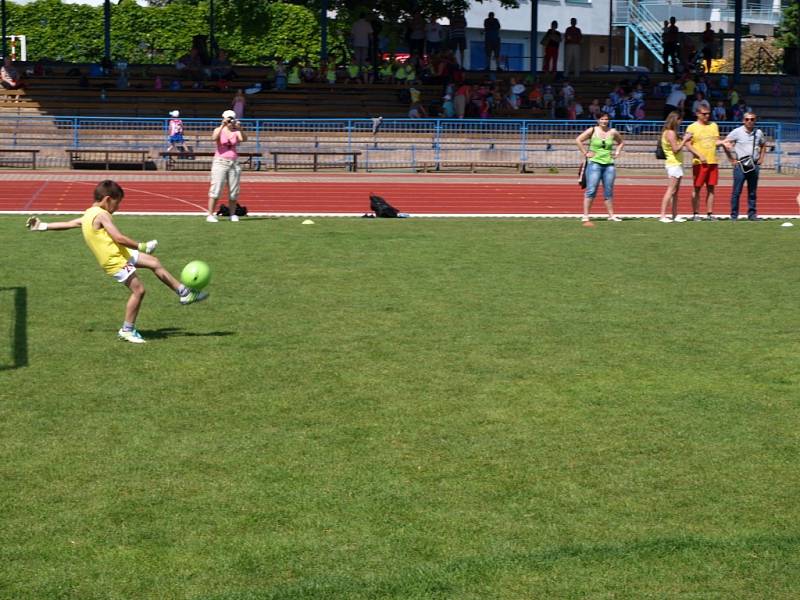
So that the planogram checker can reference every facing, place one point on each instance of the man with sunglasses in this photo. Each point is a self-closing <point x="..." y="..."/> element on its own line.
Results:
<point x="705" y="169"/>
<point x="747" y="144"/>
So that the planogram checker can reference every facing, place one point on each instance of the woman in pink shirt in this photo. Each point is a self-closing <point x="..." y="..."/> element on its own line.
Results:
<point x="225" y="168"/>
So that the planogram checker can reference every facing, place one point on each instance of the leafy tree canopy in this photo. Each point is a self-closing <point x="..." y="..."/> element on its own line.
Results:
<point x="788" y="33"/>
<point x="74" y="32"/>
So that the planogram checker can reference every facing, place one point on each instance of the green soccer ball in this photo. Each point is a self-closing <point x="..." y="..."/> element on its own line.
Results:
<point x="196" y="275"/>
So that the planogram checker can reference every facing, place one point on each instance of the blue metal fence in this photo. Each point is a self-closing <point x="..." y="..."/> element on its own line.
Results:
<point x="390" y="143"/>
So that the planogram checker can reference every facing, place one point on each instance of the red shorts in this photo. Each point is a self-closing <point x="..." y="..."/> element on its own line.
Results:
<point x="705" y="175"/>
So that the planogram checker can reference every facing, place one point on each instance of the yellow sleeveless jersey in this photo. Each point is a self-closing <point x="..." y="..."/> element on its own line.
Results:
<point x="674" y="159"/>
<point x="111" y="256"/>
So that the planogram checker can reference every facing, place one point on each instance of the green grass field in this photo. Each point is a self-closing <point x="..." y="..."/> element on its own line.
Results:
<point x="405" y="409"/>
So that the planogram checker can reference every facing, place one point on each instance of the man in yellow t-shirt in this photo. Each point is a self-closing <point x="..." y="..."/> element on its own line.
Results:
<point x="705" y="169"/>
<point x="119" y="255"/>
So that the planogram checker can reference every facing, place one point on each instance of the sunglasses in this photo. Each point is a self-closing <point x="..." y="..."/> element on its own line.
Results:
<point x="704" y="113"/>
<point x="749" y="119"/>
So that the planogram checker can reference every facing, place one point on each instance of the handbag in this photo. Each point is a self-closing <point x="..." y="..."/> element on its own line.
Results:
<point x="660" y="154"/>
<point x="582" y="174"/>
<point x="747" y="163"/>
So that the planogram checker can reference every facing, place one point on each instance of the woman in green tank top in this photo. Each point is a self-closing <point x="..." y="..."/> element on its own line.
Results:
<point x="605" y="145"/>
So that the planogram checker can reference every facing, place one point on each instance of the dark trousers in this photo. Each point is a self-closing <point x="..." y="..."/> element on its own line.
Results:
<point x="739" y="178"/>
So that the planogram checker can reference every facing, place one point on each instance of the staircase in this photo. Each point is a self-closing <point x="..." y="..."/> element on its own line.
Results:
<point x="642" y="24"/>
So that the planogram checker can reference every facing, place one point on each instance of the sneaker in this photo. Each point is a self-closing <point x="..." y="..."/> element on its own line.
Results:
<point x="665" y="220"/>
<point x="132" y="336"/>
<point x="753" y="218"/>
<point x="193" y="296"/>
<point x="234" y="218"/>
<point x="696" y="217"/>
<point x="679" y="220"/>
<point x="614" y="219"/>
<point x="212" y="219"/>
<point x="711" y="218"/>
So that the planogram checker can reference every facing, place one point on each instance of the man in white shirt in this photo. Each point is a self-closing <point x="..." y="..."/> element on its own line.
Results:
<point x="674" y="101"/>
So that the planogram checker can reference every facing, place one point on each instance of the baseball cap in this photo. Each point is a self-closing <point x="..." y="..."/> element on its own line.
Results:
<point x="229" y="114"/>
<point x="175" y="113"/>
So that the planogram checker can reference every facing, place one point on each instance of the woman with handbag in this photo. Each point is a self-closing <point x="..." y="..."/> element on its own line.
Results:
<point x="604" y="146"/>
<point x="672" y="151"/>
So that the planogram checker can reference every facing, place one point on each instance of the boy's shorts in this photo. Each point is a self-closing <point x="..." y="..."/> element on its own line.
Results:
<point x="129" y="269"/>
<point x="176" y="139"/>
<point x="705" y="174"/>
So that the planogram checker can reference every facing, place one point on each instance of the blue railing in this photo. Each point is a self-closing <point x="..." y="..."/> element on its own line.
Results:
<point x="394" y="143"/>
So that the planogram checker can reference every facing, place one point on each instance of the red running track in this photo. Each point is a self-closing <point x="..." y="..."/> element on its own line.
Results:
<point x="412" y="194"/>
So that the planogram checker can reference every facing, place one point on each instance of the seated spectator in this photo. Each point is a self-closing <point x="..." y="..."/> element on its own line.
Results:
<point x="739" y="110"/>
<point x="280" y="75"/>
<point x="238" y="104"/>
<point x="461" y="99"/>
<point x="535" y="97"/>
<point x="699" y="97"/>
<point x="308" y="73"/>
<point x="327" y="73"/>
<point x="10" y="77"/>
<point x="221" y="67"/>
<point x="448" y="107"/>
<point x="515" y="92"/>
<point x="594" y="109"/>
<point x="609" y="109"/>
<point x="367" y="72"/>
<point x="689" y="86"/>
<point x="733" y="97"/>
<point x="638" y="93"/>
<point x="719" y="113"/>
<point x="579" y="111"/>
<point x="417" y="111"/>
<point x="192" y="63"/>
<point x="572" y="112"/>
<point x="549" y="100"/>
<point x="386" y="71"/>
<point x="567" y="93"/>
<point x="626" y="108"/>
<point x="703" y="86"/>
<point x="293" y="76"/>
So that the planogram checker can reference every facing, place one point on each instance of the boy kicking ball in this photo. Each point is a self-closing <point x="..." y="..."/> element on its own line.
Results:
<point x="118" y="255"/>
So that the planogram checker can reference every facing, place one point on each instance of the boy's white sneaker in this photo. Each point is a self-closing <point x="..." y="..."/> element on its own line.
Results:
<point x="679" y="220"/>
<point x="192" y="297"/>
<point x="212" y="219"/>
<point x="132" y="336"/>
<point x="665" y="220"/>
<point x="234" y="218"/>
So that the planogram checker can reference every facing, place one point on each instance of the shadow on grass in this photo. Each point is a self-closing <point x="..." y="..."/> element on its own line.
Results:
<point x="168" y="332"/>
<point x="19" y="335"/>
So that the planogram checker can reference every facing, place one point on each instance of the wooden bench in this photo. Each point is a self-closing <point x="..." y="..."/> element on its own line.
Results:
<point x="93" y="157"/>
<point x="187" y="161"/>
<point x="351" y="166"/>
<point x="22" y="160"/>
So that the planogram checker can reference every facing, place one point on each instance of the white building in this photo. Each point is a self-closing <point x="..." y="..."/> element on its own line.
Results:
<point x="636" y="27"/>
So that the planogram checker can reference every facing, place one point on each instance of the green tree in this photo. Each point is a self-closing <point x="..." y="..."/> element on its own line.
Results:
<point x="139" y="34"/>
<point x="787" y="34"/>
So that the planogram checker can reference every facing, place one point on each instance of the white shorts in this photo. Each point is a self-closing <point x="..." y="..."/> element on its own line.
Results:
<point x="224" y="171"/>
<point x="675" y="171"/>
<point x="129" y="269"/>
